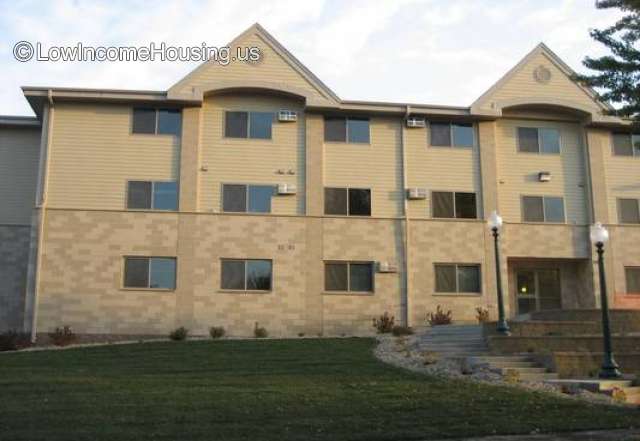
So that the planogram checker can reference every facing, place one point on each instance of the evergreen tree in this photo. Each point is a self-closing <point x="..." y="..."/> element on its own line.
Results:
<point x="618" y="75"/>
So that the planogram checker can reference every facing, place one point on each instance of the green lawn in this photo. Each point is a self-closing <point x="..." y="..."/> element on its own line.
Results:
<point x="308" y="389"/>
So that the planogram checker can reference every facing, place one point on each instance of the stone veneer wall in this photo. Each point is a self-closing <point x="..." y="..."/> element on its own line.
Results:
<point x="14" y="258"/>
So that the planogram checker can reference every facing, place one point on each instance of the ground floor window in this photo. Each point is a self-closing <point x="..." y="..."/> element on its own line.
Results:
<point x="632" y="275"/>
<point x="457" y="278"/>
<point x="348" y="276"/>
<point x="246" y="274"/>
<point x="150" y="272"/>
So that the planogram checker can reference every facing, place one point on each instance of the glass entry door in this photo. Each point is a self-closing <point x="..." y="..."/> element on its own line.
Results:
<point x="538" y="289"/>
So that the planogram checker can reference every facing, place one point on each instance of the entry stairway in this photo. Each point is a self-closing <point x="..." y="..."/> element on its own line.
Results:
<point x="467" y="342"/>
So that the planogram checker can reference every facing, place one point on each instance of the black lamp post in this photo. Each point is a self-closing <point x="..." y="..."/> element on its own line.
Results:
<point x="495" y="222"/>
<point x="599" y="236"/>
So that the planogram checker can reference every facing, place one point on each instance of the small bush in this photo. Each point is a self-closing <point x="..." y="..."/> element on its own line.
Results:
<point x="300" y="334"/>
<point x="401" y="330"/>
<point x="482" y="314"/>
<point x="259" y="332"/>
<point x="384" y="324"/>
<point x="439" y="317"/>
<point x="62" y="336"/>
<point x="179" y="334"/>
<point x="429" y="358"/>
<point x="216" y="332"/>
<point x="511" y="376"/>
<point x="618" y="395"/>
<point x="12" y="341"/>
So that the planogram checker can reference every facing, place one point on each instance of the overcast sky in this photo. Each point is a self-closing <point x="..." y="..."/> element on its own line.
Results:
<point x="418" y="51"/>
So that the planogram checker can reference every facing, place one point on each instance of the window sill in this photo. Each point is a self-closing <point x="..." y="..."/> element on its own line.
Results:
<point x="456" y="219"/>
<point x="244" y="291"/>
<point x="150" y="210"/>
<point x="457" y="294"/>
<point x="124" y="288"/>
<point x="358" y="144"/>
<point x="348" y="293"/>
<point x="453" y="147"/>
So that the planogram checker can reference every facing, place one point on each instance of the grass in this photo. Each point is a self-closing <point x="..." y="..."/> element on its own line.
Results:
<point x="308" y="389"/>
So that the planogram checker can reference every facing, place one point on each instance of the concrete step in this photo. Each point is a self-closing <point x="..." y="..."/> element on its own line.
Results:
<point x="538" y="376"/>
<point x="512" y="364"/>
<point x="525" y="370"/>
<point x="501" y="358"/>
<point x="633" y="390"/>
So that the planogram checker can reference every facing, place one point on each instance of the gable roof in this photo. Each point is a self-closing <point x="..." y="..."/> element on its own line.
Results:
<point x="288" y="57"/>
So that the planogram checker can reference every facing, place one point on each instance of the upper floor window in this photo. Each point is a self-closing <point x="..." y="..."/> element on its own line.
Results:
<point x="348" y="276"/>
<point x="347" y="201"/>
<point x="254" y="125"/>
<point x="342" y="129"/>
<point x="632" y="276"/>
<point x="543" y="209"/>
<point x="241" y="198"/>
<point x="628" y="212"/>
<point x="625" y="144"/>
<point x="246" y="274"/>
<point x="535" y="140"/>
<point x="150" y="272"/>
<point x="451" y="134"/>
<point x="157" y="121"/>
<point x="457" y="278"/>
<point x="148" y="195"/>
<point x="449" y="204"/>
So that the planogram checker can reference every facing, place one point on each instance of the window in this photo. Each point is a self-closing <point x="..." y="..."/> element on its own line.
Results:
<point x="347" y="201"/>
<point x="157" y="121"/>
<point x="457" y="278"/>
<point x="246" y="274"/>
<point x="628" y="212"/>
<point x="543" y="209"/>
<point x="241" y="198"/>
<point x="150" y="272"/>
<point x="632" y="275"/>
<point x="625" y="144"/>
<point x="451" y="134"/>
<point x="147" y="195"/>
<point x="341" y="129"/>
<point x="348" y="276"/>
<point x="254" y="125"/>
<point x="450" y="205"/>
<point x="534" y="140"/>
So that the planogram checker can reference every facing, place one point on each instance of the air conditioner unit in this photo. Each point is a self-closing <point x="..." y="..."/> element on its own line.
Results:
<point x="416" y="121"/>
<point x="544" y="176"/>
<point x="285" y="189"/>
<point x="287" y="116"/>
<point x="387" y="267"/>
<point x="416" y="193"/>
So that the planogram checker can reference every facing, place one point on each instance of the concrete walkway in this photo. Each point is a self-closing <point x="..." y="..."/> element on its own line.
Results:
<point x="596" y="435"/>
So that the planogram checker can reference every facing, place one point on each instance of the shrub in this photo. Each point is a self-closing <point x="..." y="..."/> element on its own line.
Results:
<point x="482" y="314"/>
<point x="62" y="336"/>
<point x="429" y="358"/>
<point x="511" y="376"/>
<point x="401" y="330"/>
<point x="259" y="332"/>
<point x="12" y="341"/>
<point x="618" y="395"/>
<point x="216" y="332"/>
<point x="300" y="334"/>
<point x="179" y="334"/>
<point x="384" y="324"/>
<point x="439" y="317"/>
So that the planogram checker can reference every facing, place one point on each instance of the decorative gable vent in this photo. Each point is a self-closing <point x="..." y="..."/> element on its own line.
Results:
<point x="416" y="121"/>
<point x="287" y="116"/>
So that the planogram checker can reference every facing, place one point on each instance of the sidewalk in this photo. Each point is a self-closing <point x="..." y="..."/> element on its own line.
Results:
<point x="594" y="435"/>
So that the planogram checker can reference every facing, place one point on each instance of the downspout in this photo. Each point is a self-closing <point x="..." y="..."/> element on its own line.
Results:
<point x="43" y="208"/>
<point x="405" y="206"/>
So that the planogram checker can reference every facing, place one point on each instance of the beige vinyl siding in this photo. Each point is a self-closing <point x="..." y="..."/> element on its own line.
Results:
<point x="377" y="166"/>
<point x="522" y="84"/>
<point x="518" y="172"/>
<point x="440" y="169"/>
<point x="252" y="161"/>
<point x="271" y="68"/>
<point x="19" y="152"/>
<point x="94" y="154"/>
<point x="623" y="178"/>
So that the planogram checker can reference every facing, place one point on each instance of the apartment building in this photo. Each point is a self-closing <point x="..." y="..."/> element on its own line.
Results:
<point x="251" y="192"/>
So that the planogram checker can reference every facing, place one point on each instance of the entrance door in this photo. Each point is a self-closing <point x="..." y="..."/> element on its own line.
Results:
<point x="538" y="289"/>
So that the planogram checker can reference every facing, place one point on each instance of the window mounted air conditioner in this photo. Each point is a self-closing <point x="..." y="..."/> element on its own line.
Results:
<point x="387" y="267"/>
<point x="287" y="116"/>
<point x="544" y="176"/>
<point x="416" y="193"/>
<point x="415" y="122"/>
<point x="286" y="189"/>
